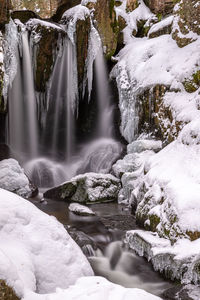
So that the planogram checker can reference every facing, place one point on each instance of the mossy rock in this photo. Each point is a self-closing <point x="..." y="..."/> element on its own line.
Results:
<point x="7" y="293"/>
<point x="192" y="85"/>
<point x="45" y="54"/>
<point x="131" y="5"/>
<point x="24" y="15"/>
<point x="107" y="25"/>
<point x="189" y="20"/>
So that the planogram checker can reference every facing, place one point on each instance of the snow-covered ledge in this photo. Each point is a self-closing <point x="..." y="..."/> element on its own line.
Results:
<point x="180" y="261"/>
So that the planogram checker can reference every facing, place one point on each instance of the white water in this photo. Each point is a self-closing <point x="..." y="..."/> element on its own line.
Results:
<point x="105" y="116"/>
<point x="53" y="155"/>
<point x="22" y="122"/>
<point x="123" y="267"/>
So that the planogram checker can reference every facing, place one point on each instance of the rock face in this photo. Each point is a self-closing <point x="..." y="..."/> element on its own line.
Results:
<point x="46" y="9"/>
<point x="107" y="25"/>
<point x="160" y="6"/>
<point x="5" y="6"/>
<point x="87" y="188"/>
<point x="13" y="179"/>
<point x="187" y="22"/>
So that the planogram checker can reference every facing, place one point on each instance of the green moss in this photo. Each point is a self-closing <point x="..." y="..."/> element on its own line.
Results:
<point x="191" y="85"/>
<point x="159" y="16"/>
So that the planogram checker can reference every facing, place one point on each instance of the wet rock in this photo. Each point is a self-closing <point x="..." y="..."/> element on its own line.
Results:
<point x="5" y="152"/>
<point x="24" y="15"/>
<point x="160" y="6"/>
<point x="182" y="292"/>
<point x="13" y="179"/>
<point x="45" y="37"/>
<point x="84" y="241"/>
<point x="87" y="188"/>
<point x="5" y="6"/>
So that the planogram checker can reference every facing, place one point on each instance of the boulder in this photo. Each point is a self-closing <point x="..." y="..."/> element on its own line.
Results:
<point x="81" y="210"/>
<point x="13" y="179"/>
<point x="87" y="188"/>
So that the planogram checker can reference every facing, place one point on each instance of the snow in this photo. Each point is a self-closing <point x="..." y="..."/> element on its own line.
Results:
<point x="36" y="252"/>
<point x="36" y="22"/>
<point x="160" y="25"/>
<point x="12" y="178"/>
<point x="81" y="209"/>
<point x="141" y="13"/>
<point x="179" y="259"/>
<point x="40" y="261"/>
<point x="95" y="288"/>
<point x="78" y="12"/>
<point x="85" y="2"/>
<point x="144" y="63"/>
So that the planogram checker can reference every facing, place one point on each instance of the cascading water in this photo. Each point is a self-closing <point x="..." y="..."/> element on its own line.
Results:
<point x="105" y="118"/>
<point x="52" y="154"/>
<point x="23" y="131"/>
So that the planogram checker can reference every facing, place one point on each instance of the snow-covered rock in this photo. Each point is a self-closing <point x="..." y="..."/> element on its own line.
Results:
<point x="143" y="145"/>
<point x="179" y="261"/>
<point x="130" y="163"/>
<point x="94" y="288"/>
<point x="13" y="179"/>
<point x="87" y="188"/>
<point x="36" y="252"/>
<point x="82" y="210"/>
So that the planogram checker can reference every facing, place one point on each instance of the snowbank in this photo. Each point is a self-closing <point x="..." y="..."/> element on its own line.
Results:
<point x="94" y="288"/>
<point x="36" y="252"/>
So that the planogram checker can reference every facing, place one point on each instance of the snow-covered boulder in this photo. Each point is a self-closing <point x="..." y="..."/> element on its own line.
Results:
<point x="36" y="252"/>
<point x="13" y="179"/>
<point x="94" y="288"/>
<point x="143" y="145"/>
<point x="130" y="163"/>
<point x="87" y="188"/>
<point x="81" y="210"/>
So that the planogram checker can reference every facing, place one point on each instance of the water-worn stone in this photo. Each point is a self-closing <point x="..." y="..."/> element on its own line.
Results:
<point x="87" y="188"/>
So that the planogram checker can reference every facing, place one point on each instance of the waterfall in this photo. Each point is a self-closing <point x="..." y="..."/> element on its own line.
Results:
<point x="22" y="120"/>
<point x="105" y="116"/>
<point x="42" y="125"/>
<point x="62" y="97"/>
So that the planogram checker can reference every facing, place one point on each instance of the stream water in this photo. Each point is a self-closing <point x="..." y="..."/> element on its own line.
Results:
<point x="100" y="238"/>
